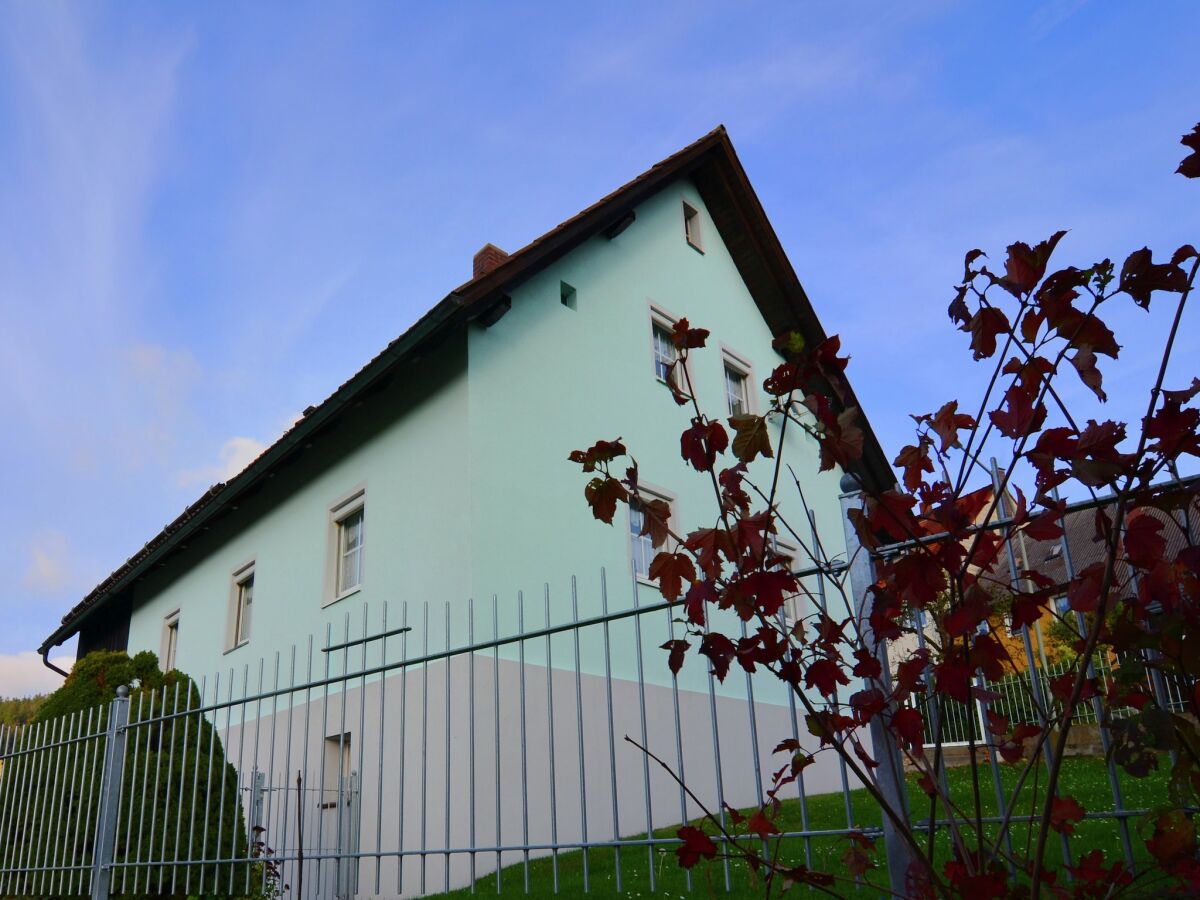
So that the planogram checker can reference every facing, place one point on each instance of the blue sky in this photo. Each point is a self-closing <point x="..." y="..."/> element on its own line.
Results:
<point x="210" y="216"/>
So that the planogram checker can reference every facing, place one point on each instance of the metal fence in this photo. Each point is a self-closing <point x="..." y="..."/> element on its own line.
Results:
<point x="426" y="748"/>
<point x="1013" y="699"/>
<point x="406" y="755"/>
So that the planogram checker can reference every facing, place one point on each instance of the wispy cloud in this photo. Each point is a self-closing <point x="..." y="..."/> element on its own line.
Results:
<point x="235" y="454"/>
<point x="24" y="674"/>
<point x="49" y="569"/>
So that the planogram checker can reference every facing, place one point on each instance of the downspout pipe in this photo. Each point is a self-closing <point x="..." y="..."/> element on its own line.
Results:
<point x="49" y="665"/>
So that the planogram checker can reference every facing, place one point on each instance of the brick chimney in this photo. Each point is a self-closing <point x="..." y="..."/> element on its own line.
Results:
<point x="488" y="258"/>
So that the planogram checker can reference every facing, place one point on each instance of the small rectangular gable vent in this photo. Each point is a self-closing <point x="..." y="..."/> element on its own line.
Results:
<point x="566" y="295"/>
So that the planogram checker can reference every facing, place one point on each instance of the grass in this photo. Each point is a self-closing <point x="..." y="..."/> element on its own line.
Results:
<point x="1084" y="779"/>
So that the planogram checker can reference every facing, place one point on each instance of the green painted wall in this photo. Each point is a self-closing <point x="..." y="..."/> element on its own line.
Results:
<point x="407" y="445"/>
<point x="464" y="459"/>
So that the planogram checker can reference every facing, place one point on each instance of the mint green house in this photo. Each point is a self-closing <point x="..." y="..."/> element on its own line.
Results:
<point x="438" y="473"/>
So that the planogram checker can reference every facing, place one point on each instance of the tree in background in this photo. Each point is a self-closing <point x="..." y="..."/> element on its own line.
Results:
<point x="19" y="710"/>
<point x="1137" y="600"/>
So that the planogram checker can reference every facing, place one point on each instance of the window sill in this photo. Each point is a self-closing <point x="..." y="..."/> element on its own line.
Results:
<point x="236" y="647"/>
<point x="696" y="247"/>
<point x="342" y="596"/>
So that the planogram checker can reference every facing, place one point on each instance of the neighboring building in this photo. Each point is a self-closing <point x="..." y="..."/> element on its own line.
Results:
<point x="439" y="471"/>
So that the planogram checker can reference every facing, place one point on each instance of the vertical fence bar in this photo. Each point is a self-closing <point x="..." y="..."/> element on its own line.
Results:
<point x="683" y="816"/>
<point x="550" y="730"/>
<point x="361" y="780"/>
<point x="446" y="809"/>
<point x="403" y="745"/>
<point x="471" y="736"/>
<point x="170" y="775"/>
<point x="424" y="741"/>
<point x="583" y="829"/>
<point x="890" y="775"/>
<point x="524" y="755"/>
<point x="200" y="721"/>
<point x="612" y="751"/>
<point x="339" y="869"/>
<point x="496" y="714"/>
<point x="137" y="746"/>
<point x="720" y="777"/>
<point x="641" y="679"/>
<point x="382" y="721"/>
<point x="110" y="786"/>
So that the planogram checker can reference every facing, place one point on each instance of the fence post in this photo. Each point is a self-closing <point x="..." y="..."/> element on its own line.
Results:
<point x="111" y="776"/>
<point x="890" y="774"/>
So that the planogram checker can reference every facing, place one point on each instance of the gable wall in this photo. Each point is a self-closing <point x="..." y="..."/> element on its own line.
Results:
<point x="546" y="380"/>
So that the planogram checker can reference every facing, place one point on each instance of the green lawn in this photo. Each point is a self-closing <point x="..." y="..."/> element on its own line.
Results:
<point x="1084" y="779"/>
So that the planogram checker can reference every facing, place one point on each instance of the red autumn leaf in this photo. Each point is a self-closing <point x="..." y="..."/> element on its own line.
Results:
<point x="767" y="591"/>
<point x="1173" y="838"/>
<point x="600" y="452"/>
<point x="997" y="723"/>
<point x="602" y="495"/>
<point x="909" y="672"/>
<point x="696" y="846"/>
<point x="856" y="861"/>
<point x="1025" y="266"/>
<point x="1045" y="526"/>
<point x="677" y="648"/>
<point x="825" y="675"/>
<point x="867" y="665"/>
<point x="1144" y="545"/>
<point x="985" y="326"/>
<point x="1084" y="362"/>
<point x="1140" y="277"/>
<point x="720" y="651"/>
<point x="761" y="824"/>
<point x="656" y="520"/>
<point x="909" y="725"/>
<point x="1190" y="167"/>
<point x="701" y="592"/>
<point x="701" y="443"/>
<point x="947" y="422"/>
<point x="841" y="439"/>
<point x="750" y="437"/>
<point x="914" y="460"/>
<point x="670" y="570"/>
<point x="684" y="337"/>
<point x="1083" y="593"/>
<point x="1022" y="413"/>
<point x="1027" y="609"/>
<point x="953" y="678"/>
<point x="867" y="704"/>
<point x="1064" y="813"/>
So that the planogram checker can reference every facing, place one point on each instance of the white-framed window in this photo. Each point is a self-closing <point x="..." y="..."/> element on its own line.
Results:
<point x="737" y="390"/>
<point x="170" y="641"/>
<point x="664" y="348"/>
<point x="739" y="399"/>
<point x="641" y="547"/>
<point x="350" y="551"/>
<point x="792" y="608"/>
<point x="347" y="542"/>
<point x="241" y="606"/>
<point x="691" y="226"/>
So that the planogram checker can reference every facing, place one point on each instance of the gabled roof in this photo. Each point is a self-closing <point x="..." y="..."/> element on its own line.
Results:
<point x="714" y="168"/>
